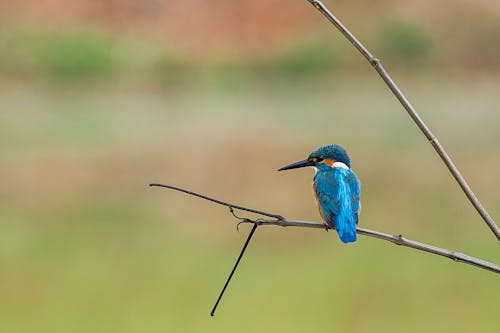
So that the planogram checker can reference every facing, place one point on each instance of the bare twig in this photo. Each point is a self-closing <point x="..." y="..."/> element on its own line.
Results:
<point x="212" y="313"/>
<point x="218" y="201"/>
<point x="399" y="240"/>
<point x="413" y="114"/>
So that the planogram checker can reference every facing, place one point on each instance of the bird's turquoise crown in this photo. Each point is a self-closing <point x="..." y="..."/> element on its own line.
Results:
<point x="334" y="152"/>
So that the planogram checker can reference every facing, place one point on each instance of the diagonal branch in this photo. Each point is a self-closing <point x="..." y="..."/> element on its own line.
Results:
<point x="399" y="240"/>
<point x="413" y="114"/>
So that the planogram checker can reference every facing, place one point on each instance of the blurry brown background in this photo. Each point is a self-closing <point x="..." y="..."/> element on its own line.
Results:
<point x="98" y="99"/>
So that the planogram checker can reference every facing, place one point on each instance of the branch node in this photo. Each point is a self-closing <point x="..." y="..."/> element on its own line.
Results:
<point x="244" y="221"/>
<point x="231" y="209"/>
<point x="400" y="239"/>
<point x="454" y="256"/>
<point x="259" y="221"/>
<point x="374" y="62"/>
<point x="432" y="139"/>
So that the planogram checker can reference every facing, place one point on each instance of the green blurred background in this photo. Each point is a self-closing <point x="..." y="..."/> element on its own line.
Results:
<point x="98" y="99"/>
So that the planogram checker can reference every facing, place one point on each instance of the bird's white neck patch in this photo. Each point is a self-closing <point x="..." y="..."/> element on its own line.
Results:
<point x="315" y="169"/>
<point x="340" y="165"/>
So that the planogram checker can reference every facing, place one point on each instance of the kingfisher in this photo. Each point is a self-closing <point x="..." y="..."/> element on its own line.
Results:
<point x="336" y="188"/>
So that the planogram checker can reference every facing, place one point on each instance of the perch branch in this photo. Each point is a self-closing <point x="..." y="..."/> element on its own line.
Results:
<point x="377" y="65"/>
<point x="399" y="239"/>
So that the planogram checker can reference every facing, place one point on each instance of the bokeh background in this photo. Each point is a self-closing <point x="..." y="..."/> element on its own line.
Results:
<point x="100" y="98"/>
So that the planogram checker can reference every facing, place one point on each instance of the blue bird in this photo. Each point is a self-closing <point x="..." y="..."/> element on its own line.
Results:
<point x="336" y="187"/>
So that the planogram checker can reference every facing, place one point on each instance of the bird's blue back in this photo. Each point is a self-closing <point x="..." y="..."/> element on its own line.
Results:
<point x="337" y="191"/>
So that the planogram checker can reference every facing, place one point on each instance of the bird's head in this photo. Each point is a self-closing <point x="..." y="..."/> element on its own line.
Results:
<point x="323" y="157"/>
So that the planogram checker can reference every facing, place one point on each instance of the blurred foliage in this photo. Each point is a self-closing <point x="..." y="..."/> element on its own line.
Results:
<point x="94" y="54"/>
<point x="84" y="54"/>
<point x="404" y="42"/>
<point x="77" y="56"/>
<point x="60" y="55"/>
<point x="305" y="59"/>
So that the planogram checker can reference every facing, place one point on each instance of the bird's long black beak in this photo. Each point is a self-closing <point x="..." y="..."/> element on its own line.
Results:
<point x="299" y="164"/>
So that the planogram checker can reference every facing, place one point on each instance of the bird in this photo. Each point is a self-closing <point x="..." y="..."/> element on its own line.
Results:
<point x="336" y="188"/>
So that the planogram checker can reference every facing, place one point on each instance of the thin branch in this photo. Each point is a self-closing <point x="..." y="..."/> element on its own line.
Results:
<point x="399" y="240"/>
<point x="231" y="206"/>
<point x="250" y="235"/>
<point x="413" y="114"/>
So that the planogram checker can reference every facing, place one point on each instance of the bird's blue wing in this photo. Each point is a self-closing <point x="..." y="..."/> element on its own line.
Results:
<point x="326" y="188"/>
<point x="355" y="188"/>
<point x="338" y="192"/>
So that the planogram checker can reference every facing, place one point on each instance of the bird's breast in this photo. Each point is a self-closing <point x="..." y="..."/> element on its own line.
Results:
<point x="318" y="204"/>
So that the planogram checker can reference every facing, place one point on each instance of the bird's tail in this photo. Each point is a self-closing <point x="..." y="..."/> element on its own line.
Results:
<point x="346" y="227"/>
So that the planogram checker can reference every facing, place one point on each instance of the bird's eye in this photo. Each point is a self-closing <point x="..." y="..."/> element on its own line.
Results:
<point x="316" y="159"/>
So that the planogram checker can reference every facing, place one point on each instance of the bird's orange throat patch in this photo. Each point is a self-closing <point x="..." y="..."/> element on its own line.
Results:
<point x="334" y="163"/>
<point x="329" y="161"/>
